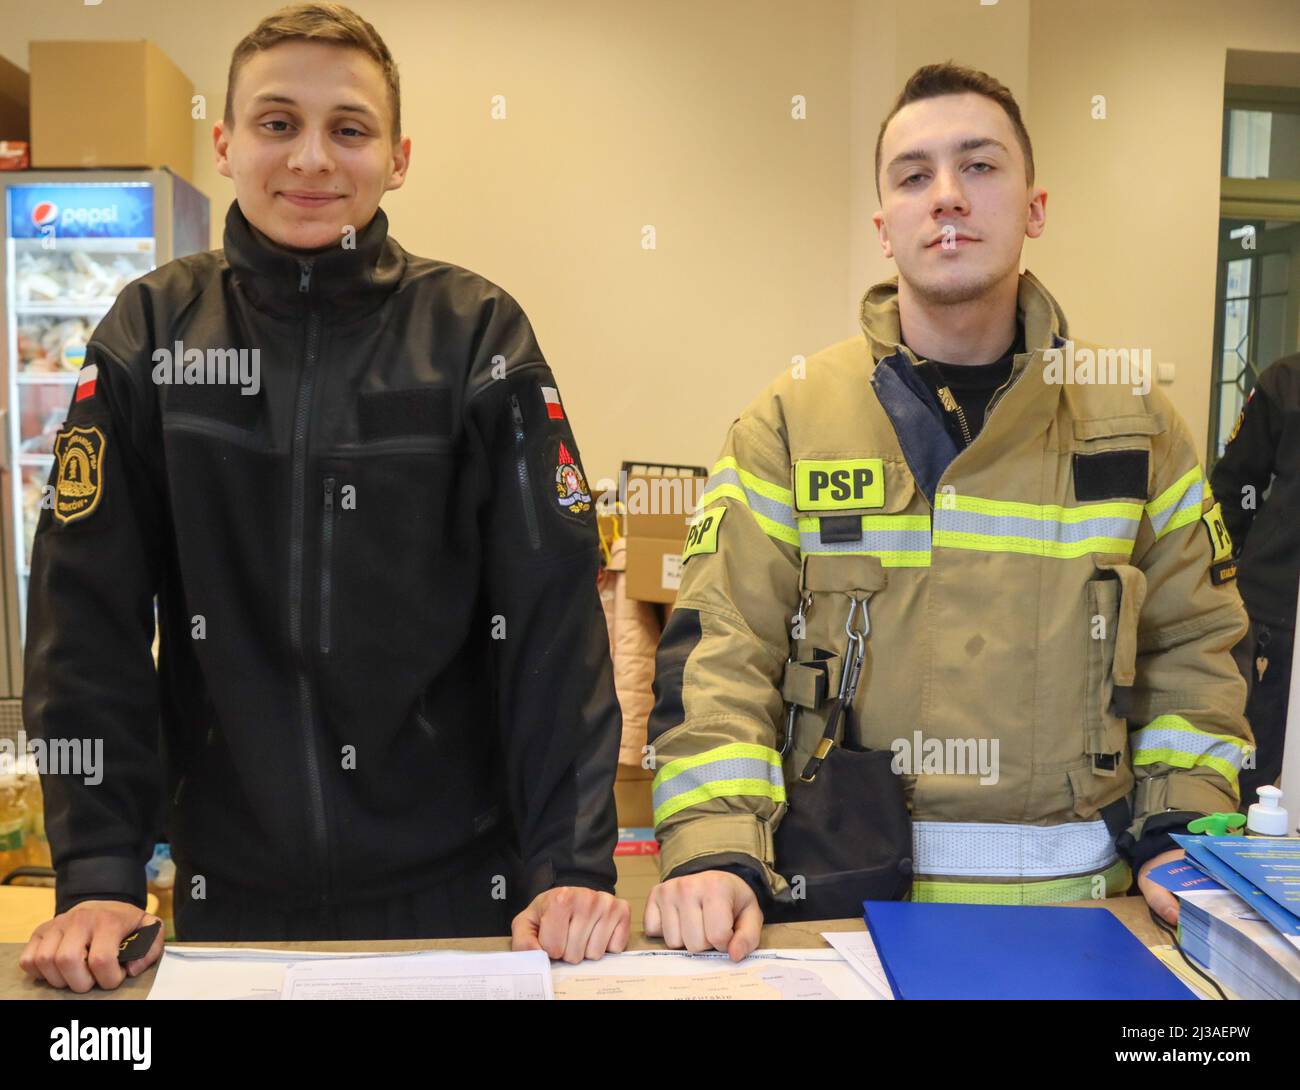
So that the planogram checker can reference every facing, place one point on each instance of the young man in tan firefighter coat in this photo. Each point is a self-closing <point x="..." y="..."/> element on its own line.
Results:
<point x="1044" y="570"/>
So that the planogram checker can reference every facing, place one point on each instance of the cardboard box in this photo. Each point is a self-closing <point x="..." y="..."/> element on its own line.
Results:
<point x="110" y="104"/>
<point x="632" y="796"/>
<point x="15" y="102"/>
<point x="659" y="512"/>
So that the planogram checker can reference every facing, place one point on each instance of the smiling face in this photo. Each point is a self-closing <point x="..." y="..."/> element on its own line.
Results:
<point x="310" y="150"/>
<point x="955" y="203"/>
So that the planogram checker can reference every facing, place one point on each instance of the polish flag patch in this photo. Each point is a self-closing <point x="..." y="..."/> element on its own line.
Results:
<point x="554" y="409"/>
<point x="86" y="379"/>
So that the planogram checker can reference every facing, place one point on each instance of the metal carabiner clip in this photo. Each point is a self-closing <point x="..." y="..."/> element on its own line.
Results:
<point x="855" y="651"/>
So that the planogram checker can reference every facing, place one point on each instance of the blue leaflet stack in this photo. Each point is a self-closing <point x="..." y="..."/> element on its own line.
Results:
<point x="1247" y="934"/>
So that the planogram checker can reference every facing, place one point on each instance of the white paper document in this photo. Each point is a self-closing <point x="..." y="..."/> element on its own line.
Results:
<point x="426" y="975"/>
<point x="859" y="951"/>
<point x="240" y="973"/>
<point x="673" y="974"/>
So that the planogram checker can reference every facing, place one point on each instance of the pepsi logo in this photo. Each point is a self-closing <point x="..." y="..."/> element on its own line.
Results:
<point x="44" y="213"/>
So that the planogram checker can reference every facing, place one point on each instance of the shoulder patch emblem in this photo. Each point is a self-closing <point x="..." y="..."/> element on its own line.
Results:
<point x="571" y="490"/>
<point x="703" y="534"/>
<point x="1220" y="539"/>
<point x="79" y="452"/>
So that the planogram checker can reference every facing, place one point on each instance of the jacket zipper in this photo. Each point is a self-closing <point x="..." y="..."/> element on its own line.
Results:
<point x="302" y="421"/>
<point x="521" y="468"/>
<point x="326" y="554"/>
<point x="952" y="405"/>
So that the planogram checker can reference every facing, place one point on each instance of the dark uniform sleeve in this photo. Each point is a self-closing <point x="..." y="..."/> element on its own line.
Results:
<point x="555" y="701"/>
<point x="1248" y="461"/>
<point x="90" y="692"/>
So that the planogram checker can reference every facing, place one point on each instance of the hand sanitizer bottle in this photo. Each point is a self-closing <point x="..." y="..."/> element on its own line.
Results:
<point x="1266" y="817"/>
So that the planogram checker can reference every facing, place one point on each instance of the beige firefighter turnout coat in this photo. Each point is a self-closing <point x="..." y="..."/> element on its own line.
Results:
<point x="1050" y="613"/>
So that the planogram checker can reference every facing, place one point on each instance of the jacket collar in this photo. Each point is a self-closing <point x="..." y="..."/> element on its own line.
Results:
<point x="1041" y="315"/>
<point x="342" y="284"/>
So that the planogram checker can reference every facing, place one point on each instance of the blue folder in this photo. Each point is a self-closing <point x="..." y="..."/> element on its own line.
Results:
<point x="944" y="951"/>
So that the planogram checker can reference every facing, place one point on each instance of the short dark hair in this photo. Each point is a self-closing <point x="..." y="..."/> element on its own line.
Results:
<point x="933" y="80"/>
<point x="331" y="24"/>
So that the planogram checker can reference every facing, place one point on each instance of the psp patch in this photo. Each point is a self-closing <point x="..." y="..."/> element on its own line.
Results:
<point x="572" y="493"/>
<point x="839" y="485"/>
<point x="1222" y="566"/>
<point x="80" y="481"/>
<point x="703" y="534"/>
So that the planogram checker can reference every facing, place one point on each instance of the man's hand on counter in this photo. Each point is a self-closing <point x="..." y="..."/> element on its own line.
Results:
<point x="711" y="910"/>
<point x="571" y="923"/>
<point x="78" y="948"/>
<point x="1162" y="902"/>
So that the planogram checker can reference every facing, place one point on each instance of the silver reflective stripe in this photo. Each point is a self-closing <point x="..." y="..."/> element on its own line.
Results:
<point x="810" y="541"/>
<point x="1194" y="743"/>
<point x="1193" y="497"/>
<point x="777" y="511"/>
<point x="971" y="522"/>
<point x="727" y="770"/>
<point x="991" y="850"/>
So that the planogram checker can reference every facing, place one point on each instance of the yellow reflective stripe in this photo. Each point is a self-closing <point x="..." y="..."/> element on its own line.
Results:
<point x="1060" y="550"/>
<point x="1044" y="512"/>
<point x="769" y="504"/>
<point x="718" y="753"/>
<point x="1177" y="759"/>
<point x="1183" y="518"/>
<point x="775" y="529"/>
<point x="1175" y="741"/>
<point x="762" y="487"/>
<point x="889" y="522"/>
<point x="1117" y="878"/>
<point x="1035" y="529"/>
<point x="1179" y="504"/>
<point x="721" y="772"/>
<point x="767" y="525"/>
<point x="1174" y="492"/>
<point x="720" y="491"/>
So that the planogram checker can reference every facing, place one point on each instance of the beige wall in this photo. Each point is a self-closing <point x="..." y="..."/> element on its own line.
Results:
<point x="677" y="114"/>
<point x="1133" y="204"/>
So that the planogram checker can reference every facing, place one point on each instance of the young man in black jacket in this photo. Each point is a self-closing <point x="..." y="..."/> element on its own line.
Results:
<point x="384" y="704"/>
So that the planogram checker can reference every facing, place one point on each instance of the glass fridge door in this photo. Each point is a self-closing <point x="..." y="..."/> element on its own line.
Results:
<point x="71" y="248"/>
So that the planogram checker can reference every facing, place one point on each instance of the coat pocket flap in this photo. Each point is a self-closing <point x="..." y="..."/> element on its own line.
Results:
<point x="1113" y="426"/>
<point x="846" y="574"/>
<point x="1132" y="593"/>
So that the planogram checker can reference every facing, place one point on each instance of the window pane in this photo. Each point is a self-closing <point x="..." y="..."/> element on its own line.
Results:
<point x="1238" y="278"/>
<point x="1284" y="148"/>
<point x="1249" y="139"/>
<point x="1236" y="334"/>
<point x="1274" y="273"/>
<point x="1272" y="329"/>
<point x="1230" y="402"/>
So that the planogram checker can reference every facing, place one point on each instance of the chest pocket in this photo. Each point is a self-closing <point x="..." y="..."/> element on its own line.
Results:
<point x="1111" y="457"/>
<point x="858" y="507"/>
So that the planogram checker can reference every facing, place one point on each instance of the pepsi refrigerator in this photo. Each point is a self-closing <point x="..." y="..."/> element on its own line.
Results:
<point x="72" y="240"/>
